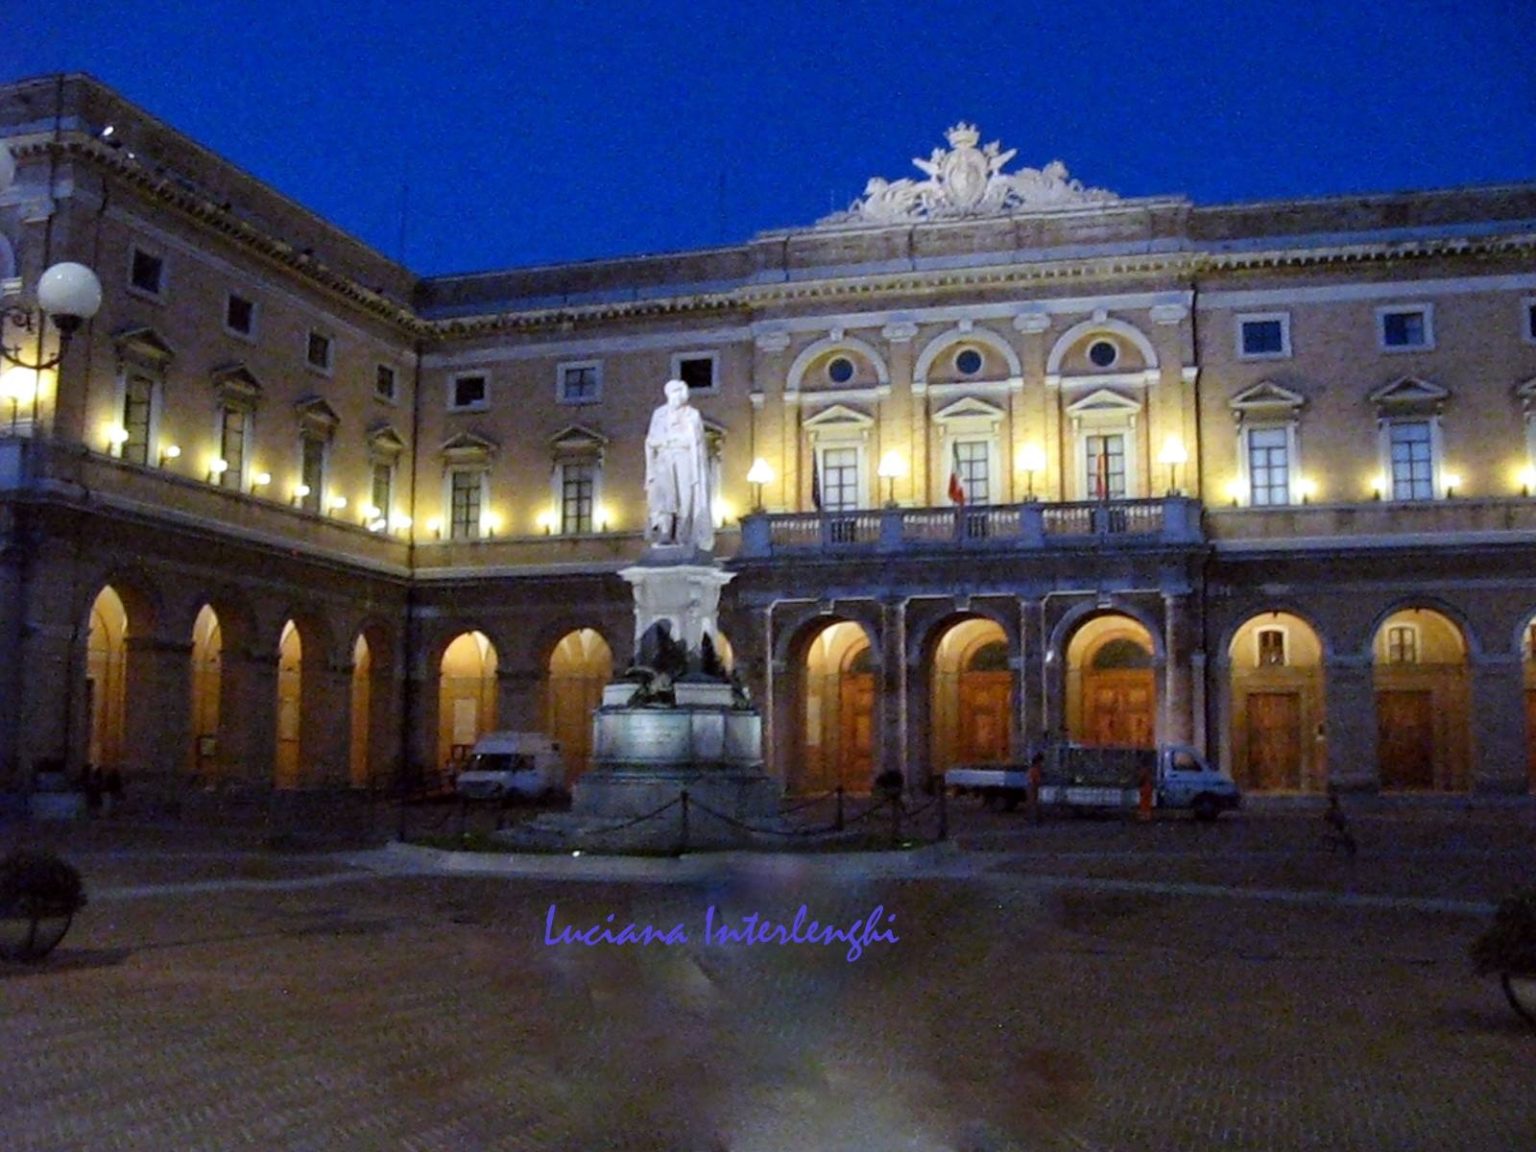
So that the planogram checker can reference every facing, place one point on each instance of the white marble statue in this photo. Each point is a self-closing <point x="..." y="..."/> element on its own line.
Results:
<point x="677" y="496"/>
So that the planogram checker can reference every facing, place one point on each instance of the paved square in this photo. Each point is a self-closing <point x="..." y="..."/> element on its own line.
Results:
<point x="1091" y="985"/>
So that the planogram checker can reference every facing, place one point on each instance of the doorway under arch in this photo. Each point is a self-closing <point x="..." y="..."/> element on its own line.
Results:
<point x="836" y="742"/>
<point x="579" y="666"/>
<point x="1423" y="728"/>
<point x="290" y="707"/>
<point x="1278" y="705"/>
<point x="1111" y="692"/>
<point x="466" y="696"/>
<point x="358" y="771"/>
<point x="106" y="679"/>
<point x="207" y="684"/>
<point x="971" y="690"/>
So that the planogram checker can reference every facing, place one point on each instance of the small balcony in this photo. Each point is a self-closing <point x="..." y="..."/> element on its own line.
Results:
<point x="1032" y="526"/>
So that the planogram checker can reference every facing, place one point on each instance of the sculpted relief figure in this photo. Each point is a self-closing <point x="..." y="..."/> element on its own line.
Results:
<point x="966" y="180"/>
<point x="677" y="492"/>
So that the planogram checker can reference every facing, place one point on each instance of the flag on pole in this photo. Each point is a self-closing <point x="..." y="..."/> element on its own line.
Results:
<point x="956" y="488"/>
<point x="815" y="484"/>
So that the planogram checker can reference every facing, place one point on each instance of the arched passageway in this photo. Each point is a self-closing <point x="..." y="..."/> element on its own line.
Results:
<point x="1278" y="706"/>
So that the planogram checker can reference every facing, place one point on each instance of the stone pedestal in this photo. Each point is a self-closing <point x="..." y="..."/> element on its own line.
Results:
<point x="652" y="744"/>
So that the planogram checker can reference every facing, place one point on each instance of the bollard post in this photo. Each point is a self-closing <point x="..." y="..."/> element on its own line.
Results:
<point x="682" y="846"/>
<point x="895" y="798"/>
<point x="837" y="823"/>
<point x="943" y="811"/>
<point x="463" y="815"/>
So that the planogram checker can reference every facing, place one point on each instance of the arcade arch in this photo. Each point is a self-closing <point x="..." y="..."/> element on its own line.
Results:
<point x="1111" y="684"/>
<point x="1278" y="704"/>
<point x="835" y="725"/>
<point x="579" y="666"/>
<point x="466" y="695"/>
<point x="290" y="706"/>
<point x="1422" y="691"/>
<point x="106" y="679"/>
<point x="971" y="689"/>
<point x="207" y="684"/>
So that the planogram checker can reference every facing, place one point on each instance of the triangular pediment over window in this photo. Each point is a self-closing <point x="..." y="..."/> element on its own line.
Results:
<point x="385" y="444"/>
<point x="1266" y="398"/>
<point x="235" y="384"/>
<point x="1104" y="403"/>
<point x="968" y="408"/>
<point x="144" y="346"/>
<point x="316" y="417"/>
<point x="469" y="448"/>
<point x="578" y="442"/>
<point x="1410" y="394"/>
<point x="839" y="418"/>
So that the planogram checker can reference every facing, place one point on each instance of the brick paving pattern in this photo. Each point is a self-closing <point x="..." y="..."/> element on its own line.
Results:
<point x="1066" y="996"/>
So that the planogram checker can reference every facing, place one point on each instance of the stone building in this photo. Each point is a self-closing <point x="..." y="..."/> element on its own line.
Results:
<point x="999" y="456"/>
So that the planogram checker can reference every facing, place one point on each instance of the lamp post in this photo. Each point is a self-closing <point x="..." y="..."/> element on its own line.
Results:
<point x="892" y="465"/>
<point x="67" y="293"/>
<point x="1173" y="455"/>
<point x="758" y="475"/>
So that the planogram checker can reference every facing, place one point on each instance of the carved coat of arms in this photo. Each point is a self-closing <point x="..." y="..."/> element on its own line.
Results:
<point x="966" y="180"/>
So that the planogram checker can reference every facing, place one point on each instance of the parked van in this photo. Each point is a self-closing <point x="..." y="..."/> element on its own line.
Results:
<point x="511" y="764"/>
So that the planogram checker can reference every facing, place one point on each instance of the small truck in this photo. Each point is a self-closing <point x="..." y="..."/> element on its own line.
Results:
<point x="1084" y="778"/>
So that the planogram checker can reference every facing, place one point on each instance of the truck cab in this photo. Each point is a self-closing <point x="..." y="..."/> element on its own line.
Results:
<point x="1185" y="780"/>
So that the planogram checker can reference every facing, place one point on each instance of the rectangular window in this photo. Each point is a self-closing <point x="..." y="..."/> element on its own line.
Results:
<point x="239" y="315"/>
<point x="311" y="473"/>
<point x="1402" y="644"/>
<point x="1264" y="337"/>
<point x="138" y="400"/>
<point x="580" y="383"/>
<point x="146" y="273"/>
<point x="1271" y="648"/>
<point x="384" y="382"/>
<point x="839" y="479"/>
<point x="698" y="372"/>
<point x="317" y="352"/>
<point x="1406" y="328"/>
<point x="577" y="486"/>
<point x="383" y="490"/>
<point x="1269" y="467"/>
<point x="974" y="460"/>
<point x="468" y="392"/>
<point x="1106" y="467"/>
<point x="464" y="505"/>
<point x="1412" y="460"/>
<point x="234" y="427"/>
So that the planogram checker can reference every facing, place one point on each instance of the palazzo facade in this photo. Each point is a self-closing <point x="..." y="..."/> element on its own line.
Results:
<point x="999" y="457"/>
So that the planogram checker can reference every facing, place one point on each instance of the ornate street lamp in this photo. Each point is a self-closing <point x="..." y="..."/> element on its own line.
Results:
<point x="892" y="465"/>
<point x="68" y="293"/>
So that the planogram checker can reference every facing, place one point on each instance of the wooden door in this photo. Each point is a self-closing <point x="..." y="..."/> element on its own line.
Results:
<point x="1119" y="708"/>
<point x="983" y="728"/>
<point x="1274" y="741"/>
<point x="1530" y="737"/>
<point x="1405" y="739"/>
<point x="856" y="731"/>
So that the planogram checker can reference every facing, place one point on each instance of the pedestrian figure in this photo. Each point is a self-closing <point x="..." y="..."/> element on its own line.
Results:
<point x="1339" y="835"/>
<point x="1144" y="808"/>
<point x="112" y="790"/>
<point x="92" y="789"/>
<point x="1036" y="770"/>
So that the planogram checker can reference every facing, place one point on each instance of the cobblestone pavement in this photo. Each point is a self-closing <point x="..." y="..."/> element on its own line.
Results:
<point x="1077" y="985"/>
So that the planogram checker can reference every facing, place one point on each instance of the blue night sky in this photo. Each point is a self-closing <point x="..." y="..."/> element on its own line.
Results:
<point x="526" y="133"/>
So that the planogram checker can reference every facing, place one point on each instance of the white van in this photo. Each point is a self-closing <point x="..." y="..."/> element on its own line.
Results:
<point x="507" y="764"/>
